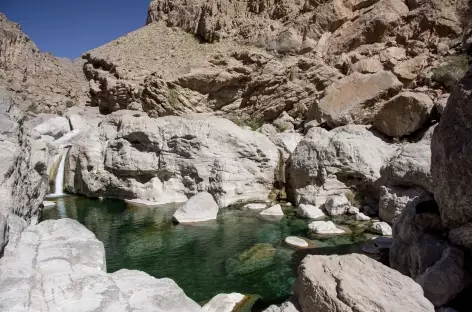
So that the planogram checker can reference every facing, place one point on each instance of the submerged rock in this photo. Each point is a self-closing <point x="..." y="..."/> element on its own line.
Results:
<point x="201" y="207"/>
<point x="63" y="258"/>
<point x="356" y="283"/>
<point x="258" y="257"/>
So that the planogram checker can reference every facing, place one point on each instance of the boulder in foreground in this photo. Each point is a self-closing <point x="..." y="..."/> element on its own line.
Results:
<point x="356" y="283"/>
<point x="62" y="266"/>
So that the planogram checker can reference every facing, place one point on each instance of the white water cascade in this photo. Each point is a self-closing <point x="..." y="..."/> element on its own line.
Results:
<point x="59" y="182"/>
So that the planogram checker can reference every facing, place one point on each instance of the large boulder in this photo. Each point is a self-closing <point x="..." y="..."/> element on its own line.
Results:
<point x="354" y="99"/>
<point x="411" y="166"/>
<point x="62" y="265"/>
<point x="169" y="159"/>
<point x="355" y="283"/>
<point x="327" y="163"/>
<point x="201" y="207"/>
<point x="451" y="163"/>
<point x="404" y="114"/>
<point x="421" y="251"/>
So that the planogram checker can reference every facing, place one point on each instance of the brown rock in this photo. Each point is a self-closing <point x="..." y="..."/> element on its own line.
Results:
<point x="404" y="114"/>
<point x="409" y="70"/>
<point x="353" y="99"/>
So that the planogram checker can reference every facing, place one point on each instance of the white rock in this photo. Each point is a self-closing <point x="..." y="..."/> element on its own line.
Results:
<point x="356" y="283"/>
<point x="223" y="303"/>
<point x="296" y="241"/>
<point x="201" y="207"/>
<point x="67" y="263"/>
<point x="48" y="204"/>
<point x="381" y="228"/>
<point x="255" y="206"/>
<point x="273" y="211"/>
<point x="323" y="160"/>
<point x="352" y="210"/>
<point x="310" y="212"/>
<point x="336" y="205"/>
<point x="162" y="160"/>
<point x="324" y="227"/>
<point x="362" y="217"/>
<point x="55" y="127"/>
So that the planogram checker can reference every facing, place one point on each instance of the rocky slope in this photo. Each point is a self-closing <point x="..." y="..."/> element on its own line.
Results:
<point x="294" y="57"/>
<point x="354" y="90"/>
<point x="40" y="82"/>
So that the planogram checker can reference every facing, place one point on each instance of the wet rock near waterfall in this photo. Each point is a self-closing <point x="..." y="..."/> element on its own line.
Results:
<point x="201" y="207"/>
<point x="164" y="160"/>
<point x="333" y="283"/>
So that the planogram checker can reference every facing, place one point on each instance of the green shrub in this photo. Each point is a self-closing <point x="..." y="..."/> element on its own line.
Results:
<point x="173" y="97"/>
<point x="33" y="107"/>
<point x="253" y="123"/>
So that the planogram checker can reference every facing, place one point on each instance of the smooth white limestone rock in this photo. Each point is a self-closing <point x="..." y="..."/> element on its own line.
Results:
<point x="273" y="211"/>
<point x="201" y="207"/>
<point x="223" y="303"/>
<point x="324" y="227"/>
<point x="310" y="212"/>
<point x="296" y="242"/>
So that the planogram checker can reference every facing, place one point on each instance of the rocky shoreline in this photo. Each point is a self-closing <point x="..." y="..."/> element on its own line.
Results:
<point x="357" y="109"/>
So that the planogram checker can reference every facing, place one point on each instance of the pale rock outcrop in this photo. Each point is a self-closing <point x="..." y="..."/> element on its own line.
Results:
<point x="324" y="227"/>
<point x="275" y="210"/>
<point x="327" y="163"/>
<point x="441" y="103"/>
<point x="354" y="99"/>
<point x="287" y="142"/>
<point x="333" y="283"/>
<point x="310" y="212"/>
<point x="296" y="242"/>
<point x="60" y="266"/>
<point x="200" y="207"/>
<point x="393" y="200"/>
<point x="411" y="166"/>
<point x="54" y="126"/>
<point x="169" y="159"/>
<point x="336" y="205"/>
<point x="421" y="251"/>
<point x="223" y="303"/>
<point x="381" y="228"/>
<point x="404" y="114"/>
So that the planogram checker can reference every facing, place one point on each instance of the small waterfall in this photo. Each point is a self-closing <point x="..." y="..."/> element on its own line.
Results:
<point x="59" y="182"/>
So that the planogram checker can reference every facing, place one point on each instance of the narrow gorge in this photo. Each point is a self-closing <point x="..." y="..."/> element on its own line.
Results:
<point x="237" y="156"/>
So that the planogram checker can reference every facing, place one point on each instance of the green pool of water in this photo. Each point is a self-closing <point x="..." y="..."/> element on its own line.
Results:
<point x="204" y="259"/>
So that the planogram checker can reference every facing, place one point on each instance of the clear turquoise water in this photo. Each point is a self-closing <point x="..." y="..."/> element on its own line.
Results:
<point x="197" y="256"/>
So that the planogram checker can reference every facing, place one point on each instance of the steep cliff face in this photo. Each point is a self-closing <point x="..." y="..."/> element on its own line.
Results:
<point x="258" y="59"/>
<point x="40" y="82"/>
